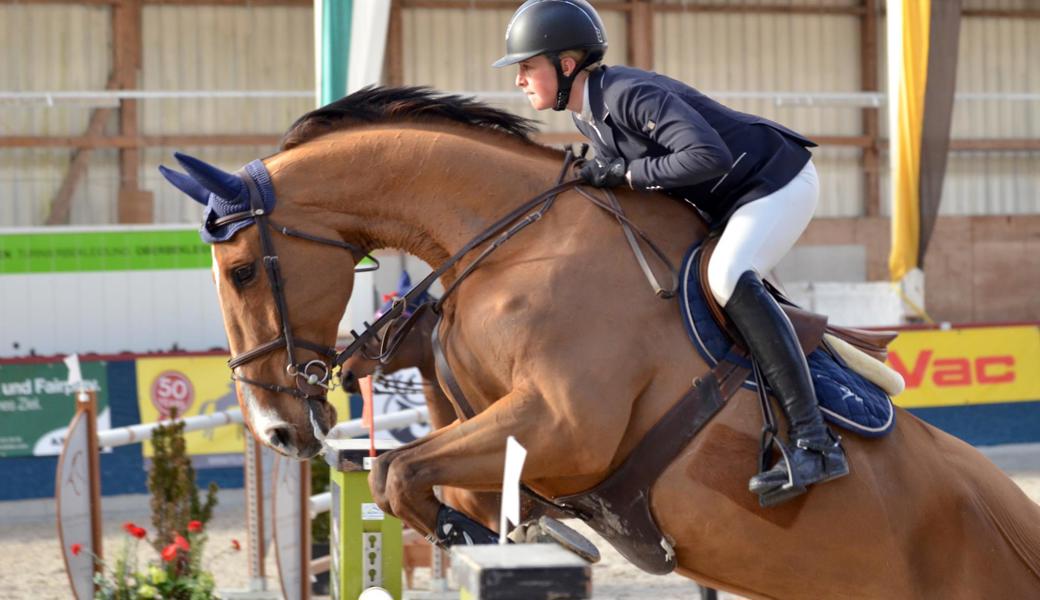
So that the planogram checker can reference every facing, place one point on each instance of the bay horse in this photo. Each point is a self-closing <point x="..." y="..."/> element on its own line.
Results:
<point x="558" y="340"/>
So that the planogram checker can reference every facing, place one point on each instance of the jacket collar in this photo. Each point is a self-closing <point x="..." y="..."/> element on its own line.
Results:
<point x="594" y="85"/>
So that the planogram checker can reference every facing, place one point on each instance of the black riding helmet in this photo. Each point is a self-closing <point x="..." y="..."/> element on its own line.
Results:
<point x="550" y="27"/>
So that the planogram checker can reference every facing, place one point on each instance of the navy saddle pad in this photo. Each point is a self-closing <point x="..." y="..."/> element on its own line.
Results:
<point x="846" y="398"/>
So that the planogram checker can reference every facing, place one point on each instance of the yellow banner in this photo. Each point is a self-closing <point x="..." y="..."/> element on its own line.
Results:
<point x="198" y="385"/>
<point x="967" y="366"/>
<point x="193" y="385"/>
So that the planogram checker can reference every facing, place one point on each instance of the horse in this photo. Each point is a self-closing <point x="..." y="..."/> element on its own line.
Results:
<point x="557" y="340"/>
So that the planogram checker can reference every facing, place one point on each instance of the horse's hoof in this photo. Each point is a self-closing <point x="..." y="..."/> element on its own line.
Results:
<point x="547" y="530"/>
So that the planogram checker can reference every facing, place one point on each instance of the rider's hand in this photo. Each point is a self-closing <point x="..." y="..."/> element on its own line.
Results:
<point x="602" y="173"/>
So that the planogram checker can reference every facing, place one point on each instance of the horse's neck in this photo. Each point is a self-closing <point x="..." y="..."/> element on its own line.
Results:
<point x="427" y="191"/>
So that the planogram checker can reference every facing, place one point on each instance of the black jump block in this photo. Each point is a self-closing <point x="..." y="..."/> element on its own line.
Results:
<point x="521" y="572"/>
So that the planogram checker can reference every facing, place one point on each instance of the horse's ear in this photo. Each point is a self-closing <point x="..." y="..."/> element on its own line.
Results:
<point x="225" y="185"/>
<point x="186" y="184"/>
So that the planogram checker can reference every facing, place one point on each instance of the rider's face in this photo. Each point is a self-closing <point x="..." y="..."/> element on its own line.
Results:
<point x="537" y="78"/>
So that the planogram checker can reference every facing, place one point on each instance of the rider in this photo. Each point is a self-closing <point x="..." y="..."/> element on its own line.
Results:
<point x="744" y="172"/>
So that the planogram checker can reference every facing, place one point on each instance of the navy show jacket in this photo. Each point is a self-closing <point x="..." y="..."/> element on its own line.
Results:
<point x="678" y="140"/>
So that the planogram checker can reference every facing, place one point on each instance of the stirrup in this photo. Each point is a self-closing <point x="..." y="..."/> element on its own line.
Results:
<point x="785" y="491"/>
<point x="796" y="484"/>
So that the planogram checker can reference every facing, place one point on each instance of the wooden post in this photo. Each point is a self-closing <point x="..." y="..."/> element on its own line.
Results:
<point x="90" y="399"/>
<point x="134" y="204"/>
<point x="305" y="529"/>
<point x="871" y="127"/>
<point x="77" y="491"/>
<point x="61" y="206"/>
<point x="641" y="34"/>
<point x="395" y="45"/>
<point x="291" y="526"/>
<point x="254" y="491"/>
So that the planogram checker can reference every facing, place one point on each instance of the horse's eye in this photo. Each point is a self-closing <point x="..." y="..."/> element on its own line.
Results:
<point x="243" y="275"/>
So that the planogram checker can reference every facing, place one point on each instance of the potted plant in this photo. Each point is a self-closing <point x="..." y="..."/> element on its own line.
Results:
<point x="179" y="519"/>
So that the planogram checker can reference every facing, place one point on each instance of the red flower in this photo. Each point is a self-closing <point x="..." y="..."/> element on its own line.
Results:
<point x="139" y="533"/>
<point x="235" y="545"/>
<point x="194" y="526"/>
<point x="181" y="543"/>
<point x="77" y="548"/>
<point x="169" y="553"/>
<point x="129" y="527"/>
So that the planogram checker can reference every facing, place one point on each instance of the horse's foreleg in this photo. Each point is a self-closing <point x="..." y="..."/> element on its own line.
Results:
<point x="381" y="467"/>
<point x="471" y="455"/>
<point x="482" y="506"/>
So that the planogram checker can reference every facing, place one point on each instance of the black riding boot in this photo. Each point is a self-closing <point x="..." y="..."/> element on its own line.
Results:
<point x="814" y="451"/>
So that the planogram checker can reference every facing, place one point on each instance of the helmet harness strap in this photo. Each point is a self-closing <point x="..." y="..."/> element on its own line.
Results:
<point x="564" y="83"/>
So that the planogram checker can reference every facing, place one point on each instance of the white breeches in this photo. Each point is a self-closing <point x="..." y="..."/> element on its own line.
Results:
<point x="762" y="232"/>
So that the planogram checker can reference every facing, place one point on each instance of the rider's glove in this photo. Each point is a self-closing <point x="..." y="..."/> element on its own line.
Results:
<point x="599" y="172"/>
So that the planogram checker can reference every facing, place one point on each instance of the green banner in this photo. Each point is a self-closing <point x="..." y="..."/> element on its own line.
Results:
<point x="93" y="251"/>
<point x="36" y="405"/>
<point x="66" y="252"/>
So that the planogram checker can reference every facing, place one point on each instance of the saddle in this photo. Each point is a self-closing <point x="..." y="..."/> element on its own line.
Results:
<point x="809" y="326"/>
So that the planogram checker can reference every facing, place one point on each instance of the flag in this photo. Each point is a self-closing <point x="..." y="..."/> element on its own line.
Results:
<point x="923" y="37"/>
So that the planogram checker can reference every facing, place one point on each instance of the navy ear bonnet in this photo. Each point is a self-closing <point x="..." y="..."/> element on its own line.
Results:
<point x="222" y="193"/>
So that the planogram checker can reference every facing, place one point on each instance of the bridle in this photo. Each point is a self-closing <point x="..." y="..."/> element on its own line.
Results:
<point x="316" y="372"/>
<point x="319" y="372"/>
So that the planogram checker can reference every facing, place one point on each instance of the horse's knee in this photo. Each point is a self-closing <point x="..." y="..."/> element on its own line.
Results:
<point x="400" y="479"/>
<point x="377" y="479"/>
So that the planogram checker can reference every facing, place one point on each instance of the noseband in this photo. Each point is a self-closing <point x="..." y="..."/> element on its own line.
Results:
<point x="316" y="372"/>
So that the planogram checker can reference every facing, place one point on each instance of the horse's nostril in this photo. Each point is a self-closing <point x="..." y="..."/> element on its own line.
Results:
<point x="279" y="437"/>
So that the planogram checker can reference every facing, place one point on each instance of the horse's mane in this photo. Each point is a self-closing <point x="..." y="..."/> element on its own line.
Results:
<point x="378" y="104"/>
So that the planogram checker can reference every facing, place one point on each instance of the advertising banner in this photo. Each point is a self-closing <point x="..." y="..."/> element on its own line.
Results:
<point x="124" y="249"/>
<point x="978" y="365"/>
<point x="36" y="405"/>
<point x="190" y="386"/>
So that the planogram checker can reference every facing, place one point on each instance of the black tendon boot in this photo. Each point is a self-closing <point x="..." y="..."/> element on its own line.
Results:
<point x="455" y="528"/>
<point x="814" y="451"/>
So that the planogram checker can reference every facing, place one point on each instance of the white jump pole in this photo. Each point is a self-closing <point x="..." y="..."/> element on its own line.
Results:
<point x="394" y="420"/>
<point x="135" y="434"/>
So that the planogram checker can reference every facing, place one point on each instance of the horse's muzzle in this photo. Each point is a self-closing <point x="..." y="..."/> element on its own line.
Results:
<point x="349" y="382"/>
